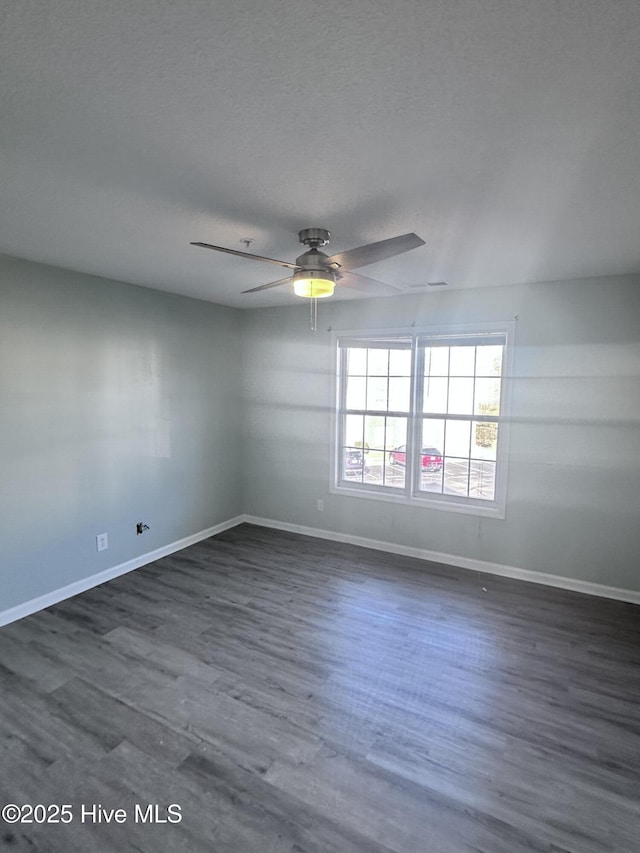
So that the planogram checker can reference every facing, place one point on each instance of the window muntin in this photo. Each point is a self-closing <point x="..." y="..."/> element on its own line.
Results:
<point x="420" y="417"/>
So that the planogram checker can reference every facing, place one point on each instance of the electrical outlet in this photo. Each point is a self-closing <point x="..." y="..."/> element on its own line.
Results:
<point x="320" y="505"/>
<point x="102" y="542"/>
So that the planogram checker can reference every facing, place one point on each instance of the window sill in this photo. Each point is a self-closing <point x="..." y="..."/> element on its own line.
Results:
<point x="484" y="509"/>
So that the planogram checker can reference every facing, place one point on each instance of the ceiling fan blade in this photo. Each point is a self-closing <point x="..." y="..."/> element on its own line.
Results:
<point x="267" y="286"/>
<point x="370" y="285"/>
<point x="285" y="264"/>
<point x="373" y="252"/>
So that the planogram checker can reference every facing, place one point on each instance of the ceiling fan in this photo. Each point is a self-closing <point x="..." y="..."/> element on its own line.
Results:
<point x="315" y="274"/>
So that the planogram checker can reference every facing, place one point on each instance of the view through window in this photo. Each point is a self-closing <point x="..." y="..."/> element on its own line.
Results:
<point x="420" y="416"/>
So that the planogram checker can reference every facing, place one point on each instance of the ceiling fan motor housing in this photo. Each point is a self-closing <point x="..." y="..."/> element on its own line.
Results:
<point x="313" y="260"/>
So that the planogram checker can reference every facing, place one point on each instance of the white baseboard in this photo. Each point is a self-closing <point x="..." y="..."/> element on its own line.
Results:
<point x="68" y="591"/>
<point x="587" y="587"/>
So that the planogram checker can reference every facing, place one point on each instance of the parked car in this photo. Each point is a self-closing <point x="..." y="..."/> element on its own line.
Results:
<point x="353" y="462"/>
<point x="431" y="457"/>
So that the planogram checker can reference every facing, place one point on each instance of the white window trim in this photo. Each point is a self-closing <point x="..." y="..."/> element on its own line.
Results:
<point x="449" y="503"/>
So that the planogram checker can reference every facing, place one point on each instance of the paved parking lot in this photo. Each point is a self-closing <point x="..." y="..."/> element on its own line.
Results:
<point x="458" y="477"/>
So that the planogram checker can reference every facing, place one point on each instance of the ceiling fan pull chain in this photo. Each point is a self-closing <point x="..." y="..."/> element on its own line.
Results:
<point x="313" y="314"/>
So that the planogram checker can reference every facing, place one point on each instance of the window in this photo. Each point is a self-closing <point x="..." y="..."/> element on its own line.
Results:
<point x="421" y="418"/>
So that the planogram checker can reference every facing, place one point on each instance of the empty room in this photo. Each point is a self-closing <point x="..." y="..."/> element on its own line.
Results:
<point x="320" y="426"/>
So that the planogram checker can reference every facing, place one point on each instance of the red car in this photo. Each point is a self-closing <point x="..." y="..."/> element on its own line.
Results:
<point x="431" y="457"/>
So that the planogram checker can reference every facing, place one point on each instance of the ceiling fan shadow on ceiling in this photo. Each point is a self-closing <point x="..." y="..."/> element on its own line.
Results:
<point x="315" y="274"/>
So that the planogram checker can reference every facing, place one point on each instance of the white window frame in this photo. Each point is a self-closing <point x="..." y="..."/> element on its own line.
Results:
<point x="410" y="495"/>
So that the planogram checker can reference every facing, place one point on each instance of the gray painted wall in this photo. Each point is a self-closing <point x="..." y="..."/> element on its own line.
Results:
<point x="574" y="476"/>
<point x="122" y="404"/>
<point x="118" y="404"/>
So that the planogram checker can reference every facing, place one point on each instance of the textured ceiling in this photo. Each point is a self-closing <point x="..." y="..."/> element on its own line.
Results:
<point x="506" y="133"/>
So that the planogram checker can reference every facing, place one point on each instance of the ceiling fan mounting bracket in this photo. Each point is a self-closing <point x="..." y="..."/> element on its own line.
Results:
<point x="314" y="237"/>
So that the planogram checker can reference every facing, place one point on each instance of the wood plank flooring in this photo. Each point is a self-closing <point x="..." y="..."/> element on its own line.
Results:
<point x="294" y="695"/>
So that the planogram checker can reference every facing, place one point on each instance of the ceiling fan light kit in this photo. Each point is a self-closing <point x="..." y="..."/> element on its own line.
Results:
<point x="316" y="285"/>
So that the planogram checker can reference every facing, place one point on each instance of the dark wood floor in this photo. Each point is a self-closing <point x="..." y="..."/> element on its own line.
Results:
<point x="294" y="695"/>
